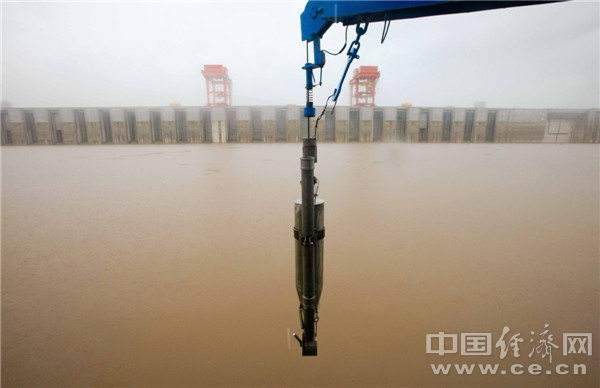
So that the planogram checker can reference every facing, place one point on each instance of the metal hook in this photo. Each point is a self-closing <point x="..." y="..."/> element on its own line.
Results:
<point x="352" y="54"/>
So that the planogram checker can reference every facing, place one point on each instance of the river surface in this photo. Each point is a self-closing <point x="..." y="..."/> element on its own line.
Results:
<point x="173" y="265"/>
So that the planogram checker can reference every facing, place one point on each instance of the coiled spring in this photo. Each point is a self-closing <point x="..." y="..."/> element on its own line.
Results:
<point x="309" y="95"/>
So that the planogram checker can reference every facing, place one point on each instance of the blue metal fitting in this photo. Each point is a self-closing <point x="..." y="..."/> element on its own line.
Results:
<point x="309" y="77"/>
<point x="309" y="111"/>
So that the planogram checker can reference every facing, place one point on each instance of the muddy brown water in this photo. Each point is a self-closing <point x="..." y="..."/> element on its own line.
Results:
<point x="174" y="265"/>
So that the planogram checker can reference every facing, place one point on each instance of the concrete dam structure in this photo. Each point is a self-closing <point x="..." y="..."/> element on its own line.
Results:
<point x="271" y="124"/>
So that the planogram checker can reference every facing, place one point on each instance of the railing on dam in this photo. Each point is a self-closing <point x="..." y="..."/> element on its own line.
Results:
<point x="271" y="124"/>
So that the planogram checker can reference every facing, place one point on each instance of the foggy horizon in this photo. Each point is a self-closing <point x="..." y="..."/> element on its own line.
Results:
<point x="103" y="54"/>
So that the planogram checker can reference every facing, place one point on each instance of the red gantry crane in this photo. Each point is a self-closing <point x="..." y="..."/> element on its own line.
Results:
<point x="218" y="85"/>
<point x="362" y="86"/>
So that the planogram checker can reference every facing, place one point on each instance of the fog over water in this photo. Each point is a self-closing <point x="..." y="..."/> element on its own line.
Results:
<point x="152" y="53"/>
<point x="174" y="264"/>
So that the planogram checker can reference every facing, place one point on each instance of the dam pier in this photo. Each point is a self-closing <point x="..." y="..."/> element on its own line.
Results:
<point x="272" y="124"/>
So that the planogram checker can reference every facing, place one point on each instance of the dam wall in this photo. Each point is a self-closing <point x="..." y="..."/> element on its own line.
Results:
<point x="272" y="124"/>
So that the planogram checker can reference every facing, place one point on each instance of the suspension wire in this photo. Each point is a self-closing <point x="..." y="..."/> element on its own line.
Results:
<point x="308" y="127"/>
<point x="334" y="105"/>
<point x="308" y="98"/>
<point x="385" y="29"/>
<point x="321" y="115"/>
<point x="342" y="49"/>
<point x="307" y="51"/>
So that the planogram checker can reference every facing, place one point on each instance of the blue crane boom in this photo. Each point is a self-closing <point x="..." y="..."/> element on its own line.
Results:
<point x="316" y="19"/>
<point x="319" y="15"/>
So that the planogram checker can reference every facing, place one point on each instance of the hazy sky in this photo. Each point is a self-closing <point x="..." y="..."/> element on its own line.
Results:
<point x="152" y="53"/>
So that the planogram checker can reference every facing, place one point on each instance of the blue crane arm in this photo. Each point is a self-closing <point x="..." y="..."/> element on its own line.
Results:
<point x="319" y="15"/>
